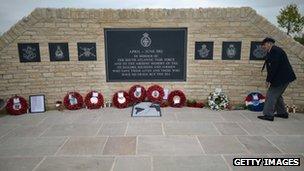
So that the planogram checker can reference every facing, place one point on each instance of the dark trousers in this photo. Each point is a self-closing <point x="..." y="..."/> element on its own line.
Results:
<point x="274" y="100"/>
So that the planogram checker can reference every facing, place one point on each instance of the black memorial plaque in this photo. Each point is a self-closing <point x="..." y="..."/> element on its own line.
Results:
<point x="59" y="51"/>
<point x="231" y="50"/>
<point x="29" y="52"/>
<point x="148" y="54"/>
<point x="204" y="50"/>
<point x="256" y="51"/>
<point x="86" y="51"/>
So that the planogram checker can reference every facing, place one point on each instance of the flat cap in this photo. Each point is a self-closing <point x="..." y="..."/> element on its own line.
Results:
<point x="268" y="39"/>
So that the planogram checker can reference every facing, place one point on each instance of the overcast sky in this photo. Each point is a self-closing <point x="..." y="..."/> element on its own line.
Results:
<point x="13" y="10"/>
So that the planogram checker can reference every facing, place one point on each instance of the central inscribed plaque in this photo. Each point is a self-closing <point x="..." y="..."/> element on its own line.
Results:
<point x="148" y="54"/>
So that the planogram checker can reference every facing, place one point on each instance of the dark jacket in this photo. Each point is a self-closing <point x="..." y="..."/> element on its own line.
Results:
<point x="279" y="70"/>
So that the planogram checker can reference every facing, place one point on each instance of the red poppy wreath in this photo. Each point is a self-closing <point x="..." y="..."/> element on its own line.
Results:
<point x="16" y="105"/>
<point x="73" y="101"/>
<point x="137" y="93"/>
<point x="121" y="99"/>
<point x="94" y="100"/>
<point x="155" y="94"/>
<point x="176" y="98"/>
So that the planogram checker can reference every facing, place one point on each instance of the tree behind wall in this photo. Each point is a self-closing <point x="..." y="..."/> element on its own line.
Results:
<point x="300" y="39"/>
<point x="291" y="19"/>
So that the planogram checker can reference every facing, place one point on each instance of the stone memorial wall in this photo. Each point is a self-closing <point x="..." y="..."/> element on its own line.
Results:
<point x="53" y="51"/>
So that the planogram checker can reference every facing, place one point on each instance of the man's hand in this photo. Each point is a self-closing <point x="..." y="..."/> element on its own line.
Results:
<point x="267" y="84"/>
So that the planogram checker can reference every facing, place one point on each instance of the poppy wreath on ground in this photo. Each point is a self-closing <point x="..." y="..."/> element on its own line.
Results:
<point x="16" y="105"/>
<point x="121" y="99"/>
<point x="176" y="98"/>
<point x="155" y="94"/>
<point x="218" y="100"/>
<point x="73" y="101"/>
<point x="137" y="94"/>
<point x="94" y="100"/>
<point x="255" y="101"/>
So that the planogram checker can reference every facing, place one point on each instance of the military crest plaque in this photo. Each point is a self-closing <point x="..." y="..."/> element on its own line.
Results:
<point x="204" y="50"/>
<point x="29" y="52"/>
<point x="256" y="51"/>
<point x="231" y="50"/>
<point x="59" y="51"/>
<point x="86" y="51"/>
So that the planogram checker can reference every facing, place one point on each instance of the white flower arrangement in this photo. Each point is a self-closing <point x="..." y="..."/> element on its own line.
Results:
<point x="217" y="100"/>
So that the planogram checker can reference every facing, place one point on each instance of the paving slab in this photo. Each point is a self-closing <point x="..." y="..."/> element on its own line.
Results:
<point x="19" y="163"/>
<point x="221" y="145"/>
<point x="120" y="146"/>
<point x="256" y="128"/>
<point x="258" y="145"/>
<point x="24" y="120"/>
<point x="189" y="163"/>
<point x="289" y="144"/>
<point x="190" y="128"/>
<point x="229" y="128"/>
<point x="144" y="129"/>
<point x="83" y="146"/>
<point x="132" y="164"/>
<point x="113" y="129"/>
<point x="233" y="116"/>
<point x="5" y="128"/>
<point x="72" y="130"/>
<point x="76" y="164"/>
<point x="29" y="146"/>
<point x="199" y="116"/>
<point x="287" y="128"/>
<point x="168" y="145"/>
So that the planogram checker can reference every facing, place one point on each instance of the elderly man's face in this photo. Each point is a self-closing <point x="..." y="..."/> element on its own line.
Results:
<point x="266" y="46"/>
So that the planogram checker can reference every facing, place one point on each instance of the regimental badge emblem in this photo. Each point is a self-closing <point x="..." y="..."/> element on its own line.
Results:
<point x="72" y="99"/>
<point x="204" y="51"/>
<point x="94" y="98"/>
<point x="121" y="98"/>
<point x="145" y="41"/>
<point x="155" y="94"/>
<point x="137" y="92"/>
<point x="231" y="51"/>
<point x="176" y="99"/>
<point x="29" y="53"/>
<point x="255" y="100"/>
<point x="59" y="53"/>
<point x="17" y="104"/>
<point x="87" y="52"/>
<point x="259" y="52"/>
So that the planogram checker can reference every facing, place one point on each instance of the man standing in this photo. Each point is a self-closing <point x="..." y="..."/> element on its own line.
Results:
<point x="279" y="75"/>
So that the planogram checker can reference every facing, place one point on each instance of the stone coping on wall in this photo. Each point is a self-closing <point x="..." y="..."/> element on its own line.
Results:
<point x="243" y="13"/>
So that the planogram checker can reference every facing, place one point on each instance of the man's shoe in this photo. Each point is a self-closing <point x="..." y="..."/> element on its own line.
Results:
<point x="268" y="118"/>
<point x="285" y="116"/>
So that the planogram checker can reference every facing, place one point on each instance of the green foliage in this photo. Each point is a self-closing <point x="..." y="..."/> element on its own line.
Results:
<point x="189" y="102"/>
<point x="300" y="39"/>
<point x="291" y="19"/>
<point x="240" y="107"/>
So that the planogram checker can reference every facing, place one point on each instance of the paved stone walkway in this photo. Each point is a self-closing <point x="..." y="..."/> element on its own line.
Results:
<point x="180" y="140"/>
